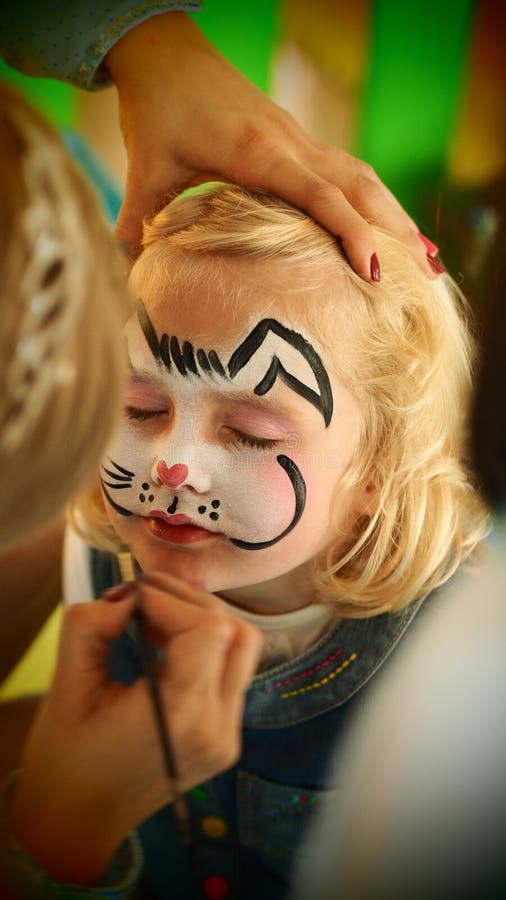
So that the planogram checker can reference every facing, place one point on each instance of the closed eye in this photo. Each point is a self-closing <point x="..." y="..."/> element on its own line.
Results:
<point x="251" y="440"/>
<point x="142" y="415"/>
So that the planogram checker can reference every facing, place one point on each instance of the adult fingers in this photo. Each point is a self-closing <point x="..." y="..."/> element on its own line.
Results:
<point x="195" y="659"/>
<point x="210" y="668"/>
<point x="134" y="208"/>
<point x="171" y="607"/>
<point x="144" y="194"/>
<point x="186" y="590"/>
<point x="241" y="663"/>
<point x="86" y="633"/>
<point x="371" y="198"/>
<point x="279" y="156"/>
<point x="89" y="628"/>
<point x="342" y="194"/>
<point x="324" y="201"/>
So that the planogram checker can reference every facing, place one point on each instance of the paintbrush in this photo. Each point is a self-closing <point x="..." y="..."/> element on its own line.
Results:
<point x="148" y="654"/>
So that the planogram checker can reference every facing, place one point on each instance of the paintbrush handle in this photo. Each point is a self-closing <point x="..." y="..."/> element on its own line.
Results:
<point x="179" y="804"/>
<point x="138" y="631"/>
<point x="126" y="566"/>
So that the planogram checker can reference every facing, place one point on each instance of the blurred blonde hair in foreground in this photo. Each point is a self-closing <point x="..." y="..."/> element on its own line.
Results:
<point x="62" y="306"/>
<point x="401" y="347"/>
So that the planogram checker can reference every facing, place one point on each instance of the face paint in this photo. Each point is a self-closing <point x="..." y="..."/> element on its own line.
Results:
<point x="252" y="495"/>
<point x="188" y="362"/>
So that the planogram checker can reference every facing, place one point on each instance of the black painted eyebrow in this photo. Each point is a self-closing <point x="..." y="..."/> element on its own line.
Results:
<point x="148" y="331"/>
<point x="323" y="401"/>
<point x="188" y="361"/>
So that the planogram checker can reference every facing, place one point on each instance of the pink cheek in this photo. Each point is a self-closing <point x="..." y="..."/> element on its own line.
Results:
<point x="275" y="481"/>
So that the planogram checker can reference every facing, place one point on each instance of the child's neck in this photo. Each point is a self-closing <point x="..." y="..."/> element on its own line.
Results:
<point x="279" y="595"/>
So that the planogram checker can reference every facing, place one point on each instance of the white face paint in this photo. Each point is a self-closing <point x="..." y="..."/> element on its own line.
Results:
<point x="184" y="477"/>
<point x="211" y="474"/>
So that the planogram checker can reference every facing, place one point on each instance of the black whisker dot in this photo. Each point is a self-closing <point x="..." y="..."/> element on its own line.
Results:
<point x="151" y="498"/>
<point x="202" y="509"/>
<point x="215" y="504"/>
<point x="214" y="516"/>
<point x="142" y="498"/>
<point x="145" y="485"/>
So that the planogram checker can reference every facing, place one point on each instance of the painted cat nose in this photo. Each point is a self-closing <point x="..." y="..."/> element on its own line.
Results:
<point x="173" y="477"/>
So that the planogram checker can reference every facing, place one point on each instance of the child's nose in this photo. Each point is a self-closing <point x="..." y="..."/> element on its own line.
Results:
<point x="174" y="476"/>
<point x="180" y="475"/>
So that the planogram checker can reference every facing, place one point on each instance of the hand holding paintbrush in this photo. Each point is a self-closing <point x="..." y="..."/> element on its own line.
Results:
<point x="138" y="631"/>
<point x="88" y="717"/>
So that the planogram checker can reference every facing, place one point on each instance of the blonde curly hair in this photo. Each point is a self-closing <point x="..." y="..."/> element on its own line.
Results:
<point x="403" y="349"/>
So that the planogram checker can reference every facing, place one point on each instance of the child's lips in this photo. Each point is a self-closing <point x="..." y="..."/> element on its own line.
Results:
<point x="176" y="519"/>
<point x="176" y="529"/>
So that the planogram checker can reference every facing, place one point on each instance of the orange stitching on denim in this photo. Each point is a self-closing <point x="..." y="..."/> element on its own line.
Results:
<point x="317" y="684"/>
<point x="316" y="668"/>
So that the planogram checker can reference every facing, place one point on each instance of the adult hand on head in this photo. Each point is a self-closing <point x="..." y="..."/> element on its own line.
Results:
<point x="92" y="767"/>
<point x="188" y="116"/>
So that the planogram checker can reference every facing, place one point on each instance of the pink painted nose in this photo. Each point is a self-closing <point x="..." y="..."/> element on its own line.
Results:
<point x="174" y="476"/>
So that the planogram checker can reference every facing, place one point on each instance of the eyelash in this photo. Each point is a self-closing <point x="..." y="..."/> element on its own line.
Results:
<point x="250" y="440"/>
<point x="142" y="415"/>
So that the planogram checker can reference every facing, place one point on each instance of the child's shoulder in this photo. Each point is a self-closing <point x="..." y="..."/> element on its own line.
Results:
<point x="329" y="673"/>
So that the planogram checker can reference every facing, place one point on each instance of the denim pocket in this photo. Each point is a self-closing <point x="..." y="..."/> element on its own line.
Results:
<point x="273" y="817"/>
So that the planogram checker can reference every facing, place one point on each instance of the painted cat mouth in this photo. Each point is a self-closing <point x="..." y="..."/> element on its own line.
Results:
<point x="177" y="529"/>
<point x="176" y="519"/>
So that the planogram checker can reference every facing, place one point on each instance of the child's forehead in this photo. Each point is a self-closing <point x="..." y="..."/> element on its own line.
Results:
<point x="221" y="308"/>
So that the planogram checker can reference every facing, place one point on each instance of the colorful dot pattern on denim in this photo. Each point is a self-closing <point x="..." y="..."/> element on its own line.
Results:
<point x="69" y="41"/>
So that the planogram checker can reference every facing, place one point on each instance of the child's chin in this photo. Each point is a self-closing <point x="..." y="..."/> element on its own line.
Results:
<point x="175" y="563"/>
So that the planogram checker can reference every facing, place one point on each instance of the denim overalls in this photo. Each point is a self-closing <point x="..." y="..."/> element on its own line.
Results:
<point x="247" y="824"/>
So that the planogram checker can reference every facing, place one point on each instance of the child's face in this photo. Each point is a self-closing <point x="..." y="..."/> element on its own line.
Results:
<point x="227" y="466"/>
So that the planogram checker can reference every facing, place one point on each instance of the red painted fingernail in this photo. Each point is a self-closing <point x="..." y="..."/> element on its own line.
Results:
<point x="430" y="247"/>
<point x="375" y="268"/>
<point x="119" y="592"/>
<point x="435" y="265"/>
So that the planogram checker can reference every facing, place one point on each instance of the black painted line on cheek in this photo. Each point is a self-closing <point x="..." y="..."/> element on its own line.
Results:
<point x="299" y="489"/>
<point x="119" y="509"/>
<point x="117" y="477"/>
<point x="121" y="469"/>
